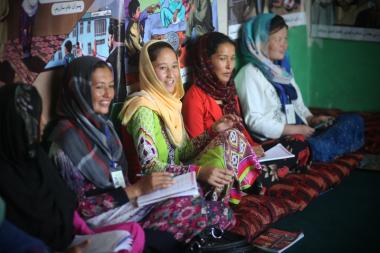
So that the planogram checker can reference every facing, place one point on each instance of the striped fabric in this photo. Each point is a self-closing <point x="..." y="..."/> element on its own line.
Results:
<point x="294" y="192"/>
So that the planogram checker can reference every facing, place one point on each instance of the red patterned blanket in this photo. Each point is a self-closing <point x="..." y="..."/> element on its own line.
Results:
<point x="296" y="191"/>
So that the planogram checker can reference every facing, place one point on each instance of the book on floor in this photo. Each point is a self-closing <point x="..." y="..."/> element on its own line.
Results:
<point x="276" y="240"/>
<point x="184" y="185"/>
<point x="275" y="153"/>
<point x="110" y="241"/>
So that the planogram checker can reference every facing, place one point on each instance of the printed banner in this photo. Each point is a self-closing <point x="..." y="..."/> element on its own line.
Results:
<point x="351" y="20"/>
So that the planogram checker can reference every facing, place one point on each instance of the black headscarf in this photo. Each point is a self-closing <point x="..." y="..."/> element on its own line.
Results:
<point x="37" y="200"/>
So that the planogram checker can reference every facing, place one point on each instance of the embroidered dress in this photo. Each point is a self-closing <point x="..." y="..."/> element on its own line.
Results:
<point x="187" y="216"/>
<point x="226" y="151"/>
<point x="87" y="149"/>
<point x="208" y="99"/>
<point x="153" y="119"/>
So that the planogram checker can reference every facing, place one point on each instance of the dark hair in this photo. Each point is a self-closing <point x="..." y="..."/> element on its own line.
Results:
<point x="215" y="39"/>
<point x="101" y="65"/>
<point x="276" y="24"/>
<point x="117" y="30"/>
<point x="155" y="49"/>
<point x="69" y="46"/>
<point x="132" y="7"/>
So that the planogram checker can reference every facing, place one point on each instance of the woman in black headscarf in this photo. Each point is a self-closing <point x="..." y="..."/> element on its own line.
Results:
<point x="37" y="200"/>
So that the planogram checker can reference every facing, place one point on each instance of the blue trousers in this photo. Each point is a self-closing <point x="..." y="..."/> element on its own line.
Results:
<point x="14" y="240"/>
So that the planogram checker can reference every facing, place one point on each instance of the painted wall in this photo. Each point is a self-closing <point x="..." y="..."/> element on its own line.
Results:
<point x="336" y="73"/>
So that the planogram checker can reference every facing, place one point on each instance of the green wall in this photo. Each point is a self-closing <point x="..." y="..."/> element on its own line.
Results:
<point x="300" y="60"/>
<point x="336" y="73"/>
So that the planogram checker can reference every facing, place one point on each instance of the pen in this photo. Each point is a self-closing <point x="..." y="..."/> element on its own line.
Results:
<point x="323" y="123"/>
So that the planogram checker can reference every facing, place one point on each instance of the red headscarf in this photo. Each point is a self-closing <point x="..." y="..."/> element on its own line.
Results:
<point x="206" y="79"/>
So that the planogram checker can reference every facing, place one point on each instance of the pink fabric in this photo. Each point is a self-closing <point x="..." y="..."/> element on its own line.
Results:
<point x="80" y="226"/>
<point x="137" y="233"/>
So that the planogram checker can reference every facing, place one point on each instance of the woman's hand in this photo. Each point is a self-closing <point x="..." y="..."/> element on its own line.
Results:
<point x="316" y="120"/>
<point x="299" y="129"/>
<point x="259" y="151"/>
<point x="215" y="177"/>
<point x="149" y="183"/>
<point x="226" y="122"/>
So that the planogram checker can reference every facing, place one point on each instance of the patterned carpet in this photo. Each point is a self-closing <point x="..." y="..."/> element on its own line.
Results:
<point x="295" y="192"/>
<point x="42" y="47"/>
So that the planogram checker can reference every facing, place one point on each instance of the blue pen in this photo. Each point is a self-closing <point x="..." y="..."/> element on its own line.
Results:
<point x="123" y="240"/>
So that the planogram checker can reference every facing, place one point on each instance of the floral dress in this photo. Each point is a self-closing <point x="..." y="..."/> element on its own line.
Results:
<point x="185" y="217"/>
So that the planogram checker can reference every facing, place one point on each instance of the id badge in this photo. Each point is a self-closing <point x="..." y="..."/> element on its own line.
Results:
<point x="118" y="178"/>
<point x="290" y="114"/>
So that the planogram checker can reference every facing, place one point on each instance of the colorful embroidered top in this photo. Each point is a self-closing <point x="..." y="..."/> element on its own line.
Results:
<point x="155" y="151"/>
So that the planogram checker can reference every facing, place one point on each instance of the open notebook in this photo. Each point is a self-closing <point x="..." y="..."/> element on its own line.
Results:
<point x="105" y="242"/>
<point x="185" y="185"/>
<point x="275" y="153"/>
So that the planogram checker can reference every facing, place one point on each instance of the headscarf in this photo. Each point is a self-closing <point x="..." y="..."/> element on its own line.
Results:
<point x="206" y="79"/>
<point x="37" y="200"/>
<point x="254" y="49"/>
<point x="154" y="96"/>
<point x="87" y="138"/>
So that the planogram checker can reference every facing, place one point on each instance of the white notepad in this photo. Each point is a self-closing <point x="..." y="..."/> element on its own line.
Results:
<point x="185" y="185"/>
<point x="275" y="153"/>
<point x="105" y="242"/>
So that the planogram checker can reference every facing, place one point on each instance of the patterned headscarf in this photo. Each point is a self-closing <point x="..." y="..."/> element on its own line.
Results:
<point x="254" y="48"/>
<point x="87" y="138"/>
<point x="206" y="79"/>
<point x="37" y="200"/>
<point x="154" y="96"/>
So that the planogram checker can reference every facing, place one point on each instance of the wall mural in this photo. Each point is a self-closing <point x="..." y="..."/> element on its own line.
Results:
<point x="108" y="29"/>
<point x="38" y="35"/>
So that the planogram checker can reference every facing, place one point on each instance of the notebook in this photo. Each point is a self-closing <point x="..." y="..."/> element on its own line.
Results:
<point x="184" y="185"/>
<point x="275" y="153"/>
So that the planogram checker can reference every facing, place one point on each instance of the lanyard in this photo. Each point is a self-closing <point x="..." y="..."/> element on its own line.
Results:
<point x="113" y="164"/>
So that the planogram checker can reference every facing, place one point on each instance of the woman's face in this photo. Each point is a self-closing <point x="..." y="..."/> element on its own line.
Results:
<point x="166" y="68"/>
<point x="278" y="44"/>
<point x="102" y="90"/>
<point x="223" y="62"/>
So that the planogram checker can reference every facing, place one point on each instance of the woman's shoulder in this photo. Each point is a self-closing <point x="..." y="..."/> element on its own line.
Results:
<point x="194" y="94"/>
<point x="248" y="68"/>
<point x="63" y="128"/>
<point x="195" y="91"/>
<point x="63" y="133"/>
<point x="145" y="114"/>
<point x="249" y="73"/>
<point x="144" y="110"/>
